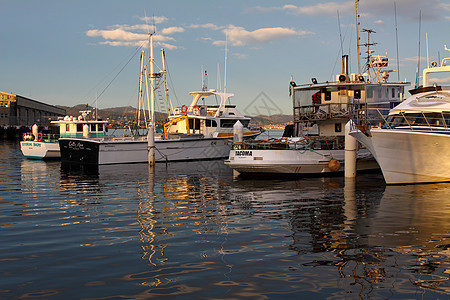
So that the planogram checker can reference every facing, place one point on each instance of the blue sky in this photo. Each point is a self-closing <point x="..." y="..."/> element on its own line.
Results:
<point x="67" y="52"/>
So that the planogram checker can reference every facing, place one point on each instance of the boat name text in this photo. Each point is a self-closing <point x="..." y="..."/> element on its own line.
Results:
<point x="243" y="153"/>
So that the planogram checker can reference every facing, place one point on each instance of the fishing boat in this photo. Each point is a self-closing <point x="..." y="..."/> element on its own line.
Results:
<point x="37" y="145"/>
<point x="412" y="145"/>
<point x="199" y="131"/>
<point x="315" y="143"/>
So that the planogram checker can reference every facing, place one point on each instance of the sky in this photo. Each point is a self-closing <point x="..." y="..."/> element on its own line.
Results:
<point x="73" y="52"/>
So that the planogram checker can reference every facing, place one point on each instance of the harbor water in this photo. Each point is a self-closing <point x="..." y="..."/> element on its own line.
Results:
<point x="196" y="231"/>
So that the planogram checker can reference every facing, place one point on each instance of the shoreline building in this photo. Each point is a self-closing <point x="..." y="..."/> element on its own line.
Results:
<point x="19" y="111"/>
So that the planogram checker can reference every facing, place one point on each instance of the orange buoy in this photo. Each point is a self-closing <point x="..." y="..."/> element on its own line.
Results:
<point x="334" y="165"/>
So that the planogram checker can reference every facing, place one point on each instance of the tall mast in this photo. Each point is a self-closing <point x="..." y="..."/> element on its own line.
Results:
<point x="357" y="37"/>
<point x="152" y="81"/>
<point x="141" y="73"/>
<point x="166" y="89"/>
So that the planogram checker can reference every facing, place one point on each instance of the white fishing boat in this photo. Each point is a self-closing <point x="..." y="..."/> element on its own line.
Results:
<point x="37" y="145"/>
<point x="196" y="132"/>
<point x="412" y="145"/>
<point x="316" y="141"/>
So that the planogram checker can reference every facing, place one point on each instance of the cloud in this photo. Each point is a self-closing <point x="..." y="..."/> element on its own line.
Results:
<point x="171" y="30"/>
<point x="238" y="36"/>
<point x="116" y="34"/>
<point x="156" y="20"/>
<point x="407" y="9"/>
<point x="379" y="22"/>
<point x="206" y="26"/>
<point x="319" y="9"/>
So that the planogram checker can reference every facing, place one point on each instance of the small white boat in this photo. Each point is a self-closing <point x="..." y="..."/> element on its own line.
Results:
<point x="292" y="156"/>
<point x="413" y="145"/>
<point x="36" y="145"/>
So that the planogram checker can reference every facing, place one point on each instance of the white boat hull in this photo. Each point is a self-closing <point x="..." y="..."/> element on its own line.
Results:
<point x="408" y="156"/>
<point x="40" y="150"/>
<point x="122" y="151"/>
<point x="285" y="161"/>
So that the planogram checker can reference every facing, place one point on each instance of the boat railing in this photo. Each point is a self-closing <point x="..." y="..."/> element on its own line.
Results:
<point x="419" y="121"/>
<point x="309" y="143"/>
<point x="325" y="111"/>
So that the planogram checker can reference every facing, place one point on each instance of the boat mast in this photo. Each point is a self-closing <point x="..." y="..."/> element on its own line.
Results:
<point x="141" y="73"/>
<point x="166" y="89"/>
<point x="357" y="37"/>
<point x="152" y="82"/>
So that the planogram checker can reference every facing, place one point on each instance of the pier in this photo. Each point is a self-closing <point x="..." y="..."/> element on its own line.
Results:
<point x="18" y="114"/>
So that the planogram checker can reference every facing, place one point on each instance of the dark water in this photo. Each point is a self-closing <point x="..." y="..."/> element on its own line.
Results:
<point x="194" y="231"/>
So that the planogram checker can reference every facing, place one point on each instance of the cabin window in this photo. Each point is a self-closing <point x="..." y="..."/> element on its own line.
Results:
<point x="327" y="95"/>
<point x="79" y="127"/>
<point x="211" y="123"/>
<point x="357" y="94"/>
<point x="194" y="124"/>
<point x="92" y="127"/>
<point x="67" y="127"/>
<point x="100" y="127"/>
<point x="230" y="123"/>
<point x="393" y="92"/>
<point x="337" y="127"/>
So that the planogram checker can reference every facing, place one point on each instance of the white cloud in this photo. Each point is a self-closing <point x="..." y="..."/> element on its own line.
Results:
<point x="379" y="22"/>
<point x="408" y="9"/>
<point x="238" y="36"/>
<point x="205" y="26"/>
<point x="116" y="34"/>
<point x="156" y="20"/>
<point x="327" y="8"/>
<point x="171" y="30"/>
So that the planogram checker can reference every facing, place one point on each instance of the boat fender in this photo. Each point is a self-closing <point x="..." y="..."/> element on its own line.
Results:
<point x="27" y="137"/>
<point x="184" y="109"/>
<point x="334" y="165"/>
<point x="39" y="137"/>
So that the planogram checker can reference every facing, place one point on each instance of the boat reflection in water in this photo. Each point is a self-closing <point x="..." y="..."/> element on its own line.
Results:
<point x="193" y="229"/>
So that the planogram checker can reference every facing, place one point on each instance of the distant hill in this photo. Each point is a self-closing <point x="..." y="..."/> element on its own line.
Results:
<point x="128" y="113"/>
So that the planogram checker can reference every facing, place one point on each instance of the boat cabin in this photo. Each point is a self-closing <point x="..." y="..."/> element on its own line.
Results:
<point x="81" y="127"/>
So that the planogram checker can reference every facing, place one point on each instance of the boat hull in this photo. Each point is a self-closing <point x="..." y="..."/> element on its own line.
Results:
<point x="122" y="151"/>
<point x="40" y="150"/>
<point x="294" y="162"/>
<point x="408" y="156"/>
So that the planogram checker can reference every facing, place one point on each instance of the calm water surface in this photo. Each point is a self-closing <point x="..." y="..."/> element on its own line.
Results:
<point x="193" y="230"/>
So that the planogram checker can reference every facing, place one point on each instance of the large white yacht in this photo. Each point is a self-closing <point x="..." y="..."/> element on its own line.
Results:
<point x="412" y="145"/>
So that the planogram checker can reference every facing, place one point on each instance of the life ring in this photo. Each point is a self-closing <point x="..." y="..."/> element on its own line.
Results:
<point x="39" y="137"/>
<point x="196" y="107"/>
<point x="184" y="109"/>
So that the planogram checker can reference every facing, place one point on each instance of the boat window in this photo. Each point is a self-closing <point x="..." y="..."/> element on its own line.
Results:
<point x="79" y="127"/>
<point x="393" y="93"/>
<point x="92" y="127"/>
<point x="357" y="94"/>
<point x="327" y="95"/>
<point x="194" y="124"/>
<point x="67" y="127"/>
<point x="230" y="123"/>
<point x="100" y="127"/>
<point x="211" y="123"/>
